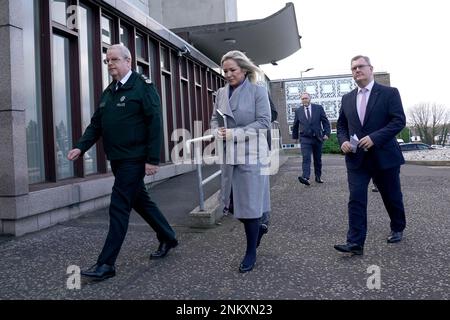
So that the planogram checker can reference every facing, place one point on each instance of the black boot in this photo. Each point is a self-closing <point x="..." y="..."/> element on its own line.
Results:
<point x="263" y="229"/>
<point x="251" y="232"/>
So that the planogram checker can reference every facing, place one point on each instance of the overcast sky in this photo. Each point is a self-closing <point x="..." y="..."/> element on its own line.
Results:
<point x="408" y="39"/>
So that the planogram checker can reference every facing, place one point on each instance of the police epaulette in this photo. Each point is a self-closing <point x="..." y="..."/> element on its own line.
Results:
<point x="147" y="80"/>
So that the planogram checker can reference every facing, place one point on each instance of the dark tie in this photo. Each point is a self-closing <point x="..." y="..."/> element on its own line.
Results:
<point x="118" y="85"/>
<point x="308" y="114"/>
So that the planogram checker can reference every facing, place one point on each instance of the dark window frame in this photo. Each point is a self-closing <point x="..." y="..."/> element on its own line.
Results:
<point x="198" y="83"/>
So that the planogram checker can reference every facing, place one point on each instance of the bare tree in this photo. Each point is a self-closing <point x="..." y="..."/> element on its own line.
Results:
<point x="444" y="130"/>
<point x="430" y="120"/>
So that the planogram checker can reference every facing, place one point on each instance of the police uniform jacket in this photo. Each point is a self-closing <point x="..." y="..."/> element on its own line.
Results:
<point x="129" y="120"/>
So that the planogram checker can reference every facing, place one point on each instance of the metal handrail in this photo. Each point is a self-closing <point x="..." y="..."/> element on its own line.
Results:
<point x="275" y="128"/>
<point x="197" y="157"/>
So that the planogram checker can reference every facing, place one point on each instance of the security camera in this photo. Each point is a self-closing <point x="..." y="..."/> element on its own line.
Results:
<point x="184" y="51"/>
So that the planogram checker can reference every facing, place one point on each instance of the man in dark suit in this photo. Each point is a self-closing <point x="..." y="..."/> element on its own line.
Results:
<point x="312" y="123"/>
<point x="370" y="118"/>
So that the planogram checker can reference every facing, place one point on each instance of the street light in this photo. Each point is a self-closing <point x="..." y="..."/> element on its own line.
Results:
<point x="301" y="77"/>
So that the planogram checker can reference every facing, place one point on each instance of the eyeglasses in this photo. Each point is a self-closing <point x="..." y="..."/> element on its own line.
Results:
<point x="360" y="66"/>
<point x="113" y="60"/>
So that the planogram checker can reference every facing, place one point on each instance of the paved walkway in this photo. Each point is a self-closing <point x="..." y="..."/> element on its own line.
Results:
<point x="296" y="259"/>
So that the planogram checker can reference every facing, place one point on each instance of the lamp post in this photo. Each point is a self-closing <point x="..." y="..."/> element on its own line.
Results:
<point x="301" y="77"/>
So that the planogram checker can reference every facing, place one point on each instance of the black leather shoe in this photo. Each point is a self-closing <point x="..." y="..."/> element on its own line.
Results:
<point x="244" y="268"/>
<point x="318" y="180"/>
<point x="351" y="248"/>
<point x="395" y="237"/>
<point x="163" y="249"/>
<point x="305" y="181"/>
<point x="263" y="229"/>
<point x="99" y="273"/>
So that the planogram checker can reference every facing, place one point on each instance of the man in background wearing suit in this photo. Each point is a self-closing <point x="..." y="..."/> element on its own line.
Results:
<point x="370" y="118"/>
<point x="312" y="122"/>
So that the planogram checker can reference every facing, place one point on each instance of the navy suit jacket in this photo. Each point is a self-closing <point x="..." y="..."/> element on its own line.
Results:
<point x="384" y="119"/>
<point x="311" y="131"/>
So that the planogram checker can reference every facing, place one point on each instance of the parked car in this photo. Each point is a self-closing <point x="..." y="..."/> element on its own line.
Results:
<point x="415" y="146"/>
<point x="440" y="146"/>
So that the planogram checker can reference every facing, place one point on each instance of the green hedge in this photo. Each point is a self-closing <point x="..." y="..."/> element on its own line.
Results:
<point x="331" y="145"/>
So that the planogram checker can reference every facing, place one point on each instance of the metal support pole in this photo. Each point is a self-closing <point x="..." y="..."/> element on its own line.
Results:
<point x="199" y="161"/>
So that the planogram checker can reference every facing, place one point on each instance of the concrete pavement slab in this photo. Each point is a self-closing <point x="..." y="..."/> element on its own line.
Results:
<point x="296" y="259"/>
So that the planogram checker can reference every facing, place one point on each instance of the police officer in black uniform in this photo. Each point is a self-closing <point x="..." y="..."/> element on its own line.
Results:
<point x="129" y="120"/>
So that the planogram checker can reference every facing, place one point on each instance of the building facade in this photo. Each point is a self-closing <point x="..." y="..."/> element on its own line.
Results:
<point x="52" y="53"/>
<point x="325" y="90"/>
<point x="182" y="13"/>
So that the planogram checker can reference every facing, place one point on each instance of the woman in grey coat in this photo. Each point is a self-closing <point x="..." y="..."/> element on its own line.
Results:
<point x="241" y="120"/>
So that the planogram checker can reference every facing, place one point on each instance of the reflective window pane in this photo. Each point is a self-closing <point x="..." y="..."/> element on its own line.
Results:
<point x="106" y="30"/>
<point x="165" y="64"/>
<point x="140" y="47"/>
<point x="62" y="106"/>
<point x="59" y="14"/>
<point x="106" y="79"/>
<point x="165" y="90"/>
<point x="183" y="68"/>
<point x="152" y="52"/>
<point x="124" y="36"/>
<point x="105" y="74"/>
<point x="87" y="83"/>
<point x="31" y="87"/>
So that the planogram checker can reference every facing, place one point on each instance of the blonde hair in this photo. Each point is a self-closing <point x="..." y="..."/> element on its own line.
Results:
<point x="244" y="63"/>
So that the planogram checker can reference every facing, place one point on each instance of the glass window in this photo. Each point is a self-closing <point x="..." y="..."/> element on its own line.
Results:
<point x="105" y="74"/>
<point x="165" y="63"/>
<point x="142" y="69"/>
<point x="140" y="47"/>
<point x="106" y="79"/>
<point x="165" y="90"/>
<point x="31" y="87"/>
<point x="124" y="36"/>
<point x="62" y="106"/>
<point x="59" y="14"/>
<point x="197" y="74"/>
<point x="185" y="109"/>
<point x="183" y="68"/>
<point x="106" y="30"/>
<point x="87" y="83"/>
<point x="152" y="51"/>
<point x="208" y="80"/>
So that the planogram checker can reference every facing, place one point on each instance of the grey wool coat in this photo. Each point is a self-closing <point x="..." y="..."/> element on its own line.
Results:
<point x="245" y="156"/>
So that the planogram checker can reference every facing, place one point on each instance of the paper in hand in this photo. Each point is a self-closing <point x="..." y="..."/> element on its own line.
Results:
<point x="354" y="142"/>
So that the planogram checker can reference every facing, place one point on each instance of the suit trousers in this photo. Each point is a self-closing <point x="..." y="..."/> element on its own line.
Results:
<point x="315" y="148"/>
<point x="129" y="192"/>
<point x="388" y="183"/>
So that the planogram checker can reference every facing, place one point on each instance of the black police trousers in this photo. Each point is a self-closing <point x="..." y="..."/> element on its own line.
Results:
<point x="128" y="193"/>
